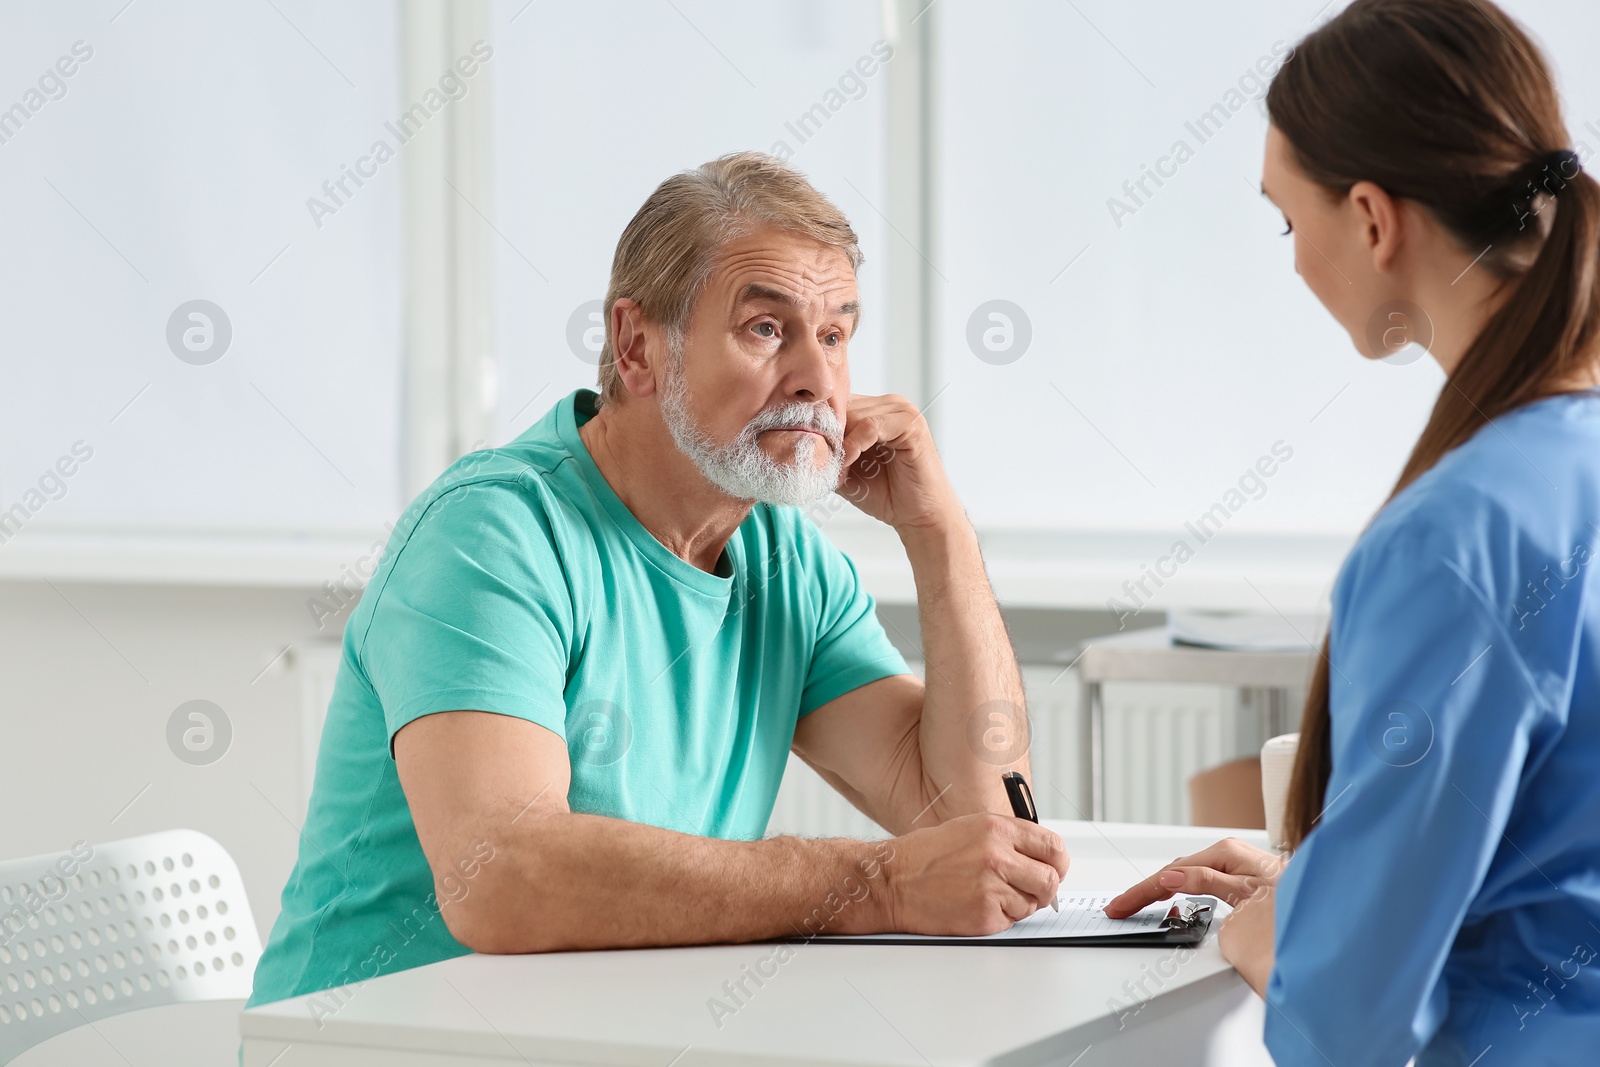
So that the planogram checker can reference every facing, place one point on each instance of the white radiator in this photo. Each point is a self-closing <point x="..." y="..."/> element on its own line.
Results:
<point x="1157" y="736"/>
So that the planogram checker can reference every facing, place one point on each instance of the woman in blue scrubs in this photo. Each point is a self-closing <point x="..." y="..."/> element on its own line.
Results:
<point x="1443" y="897"/>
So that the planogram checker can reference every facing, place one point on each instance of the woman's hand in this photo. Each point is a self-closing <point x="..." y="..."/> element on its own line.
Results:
<point x="1247" y="938"/>
<point x="1229" y="870"/>
<point x="1244" y="876"/>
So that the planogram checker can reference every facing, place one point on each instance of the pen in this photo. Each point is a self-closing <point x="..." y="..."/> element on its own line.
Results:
<point x="1022" y="804"/>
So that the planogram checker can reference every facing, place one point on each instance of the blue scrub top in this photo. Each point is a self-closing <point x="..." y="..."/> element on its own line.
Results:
<point x="1447" y="905"/>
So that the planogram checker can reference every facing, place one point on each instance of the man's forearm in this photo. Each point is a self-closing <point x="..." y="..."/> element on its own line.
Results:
<point x="570" y="881"/>
<point x="974" y="725"/>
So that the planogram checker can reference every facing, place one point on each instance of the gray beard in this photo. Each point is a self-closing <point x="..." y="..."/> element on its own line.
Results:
<point x="740" y="468"/>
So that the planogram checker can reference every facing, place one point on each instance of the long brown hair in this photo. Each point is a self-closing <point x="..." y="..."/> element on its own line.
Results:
<point x="1449" y="104"/>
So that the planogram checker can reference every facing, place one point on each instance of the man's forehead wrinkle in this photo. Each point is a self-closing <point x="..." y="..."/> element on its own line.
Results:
<point x="801" y="287"/>
<point x="825" y="271"/>
<point x="752" y="292"/>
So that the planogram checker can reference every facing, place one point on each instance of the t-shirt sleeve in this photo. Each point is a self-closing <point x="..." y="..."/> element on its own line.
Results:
<point x="473" y="613"/>
<point x="851" y="648"/>
<point x="1431" y="713"/>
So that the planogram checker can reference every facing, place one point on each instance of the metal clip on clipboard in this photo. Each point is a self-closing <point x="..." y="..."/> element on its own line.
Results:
<point x="1195" y="915"/>
<point x="1185" y="924"/>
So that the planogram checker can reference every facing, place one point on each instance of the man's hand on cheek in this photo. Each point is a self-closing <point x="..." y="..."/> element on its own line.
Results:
<point x="891" y="468"/>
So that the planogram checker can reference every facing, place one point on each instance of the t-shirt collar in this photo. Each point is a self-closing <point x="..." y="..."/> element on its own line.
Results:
<point x="571" y="413"/>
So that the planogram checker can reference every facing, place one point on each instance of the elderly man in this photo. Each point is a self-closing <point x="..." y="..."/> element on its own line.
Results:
<point x="569" y="694"/>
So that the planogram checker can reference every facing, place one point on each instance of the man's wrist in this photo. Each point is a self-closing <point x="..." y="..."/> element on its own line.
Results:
<point x="874" y="870"/>
<point x="857" y="899"/>
<point x="948" y="531"/>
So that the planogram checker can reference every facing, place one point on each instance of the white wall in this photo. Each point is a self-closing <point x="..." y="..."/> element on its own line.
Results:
<point x="1173" y="346"/>
<point x="665" y="88"/>
<point x="93" y="672"/>
<point x="176" y="164"/>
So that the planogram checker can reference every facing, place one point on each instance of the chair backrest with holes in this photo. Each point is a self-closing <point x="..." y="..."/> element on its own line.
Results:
<point x="98" y="930"/>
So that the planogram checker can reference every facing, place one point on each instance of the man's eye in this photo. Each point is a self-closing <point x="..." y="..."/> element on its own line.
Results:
<point x="760" y="326"/>
<point x="834" y="340"/>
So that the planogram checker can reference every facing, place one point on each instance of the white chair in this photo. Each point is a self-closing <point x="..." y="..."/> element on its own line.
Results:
<point x="99" y="930"/>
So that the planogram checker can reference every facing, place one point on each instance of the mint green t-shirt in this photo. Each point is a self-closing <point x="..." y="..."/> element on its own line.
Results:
<point x="520" y="584"/>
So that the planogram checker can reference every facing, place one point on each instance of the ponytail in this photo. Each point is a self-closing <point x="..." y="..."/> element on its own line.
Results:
<point x="1486" y="163"/>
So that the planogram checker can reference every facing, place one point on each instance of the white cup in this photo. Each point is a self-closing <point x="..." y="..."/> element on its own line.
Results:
<point x="1277" y="767"/>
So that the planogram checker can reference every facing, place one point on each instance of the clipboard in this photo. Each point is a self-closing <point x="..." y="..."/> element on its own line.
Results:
<point x="1182" y="924"/>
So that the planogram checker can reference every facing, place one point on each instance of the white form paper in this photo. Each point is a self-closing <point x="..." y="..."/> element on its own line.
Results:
<point x="1081" y="915"/>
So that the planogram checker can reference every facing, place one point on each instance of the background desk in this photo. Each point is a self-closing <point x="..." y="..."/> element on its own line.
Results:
<point x="901" y="1005"/>
<point x="1264" y="679"/>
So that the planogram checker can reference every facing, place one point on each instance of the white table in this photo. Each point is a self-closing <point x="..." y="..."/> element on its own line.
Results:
<point x="857" y="1005"/>
<point x="1263" y="678"/>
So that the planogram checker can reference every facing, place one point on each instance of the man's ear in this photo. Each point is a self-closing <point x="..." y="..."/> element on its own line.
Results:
<point x="1381" y="221"/>
<point x="638" y="346"/>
